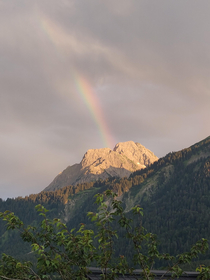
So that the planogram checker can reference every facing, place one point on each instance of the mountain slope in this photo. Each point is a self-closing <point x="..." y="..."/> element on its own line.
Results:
<point x="96" y="164"/>
<point x="174" y="193"/>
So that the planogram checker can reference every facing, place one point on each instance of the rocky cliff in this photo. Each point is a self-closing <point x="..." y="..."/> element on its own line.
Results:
<point x="126" y="157"/>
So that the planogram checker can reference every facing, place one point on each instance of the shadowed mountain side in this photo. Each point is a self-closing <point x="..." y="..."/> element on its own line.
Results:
<point x="68" y="177"/>
<point x="109" y="172"/>
<point x="125" y="158"/>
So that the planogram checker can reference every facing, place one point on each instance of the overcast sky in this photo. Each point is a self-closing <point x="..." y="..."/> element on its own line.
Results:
<point x="81" y="74"/>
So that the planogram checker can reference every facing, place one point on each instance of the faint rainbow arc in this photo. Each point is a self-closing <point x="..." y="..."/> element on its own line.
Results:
<point x="82" y="85"/>
<point x="93" y="105"/>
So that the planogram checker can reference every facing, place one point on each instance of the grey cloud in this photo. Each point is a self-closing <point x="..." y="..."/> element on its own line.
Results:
<point x="165" y="40"/>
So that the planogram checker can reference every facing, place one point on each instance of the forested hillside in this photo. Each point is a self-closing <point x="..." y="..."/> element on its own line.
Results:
<point x="174" y="193"/>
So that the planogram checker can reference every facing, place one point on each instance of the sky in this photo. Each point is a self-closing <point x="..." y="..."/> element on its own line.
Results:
<point x="87" y="74"/>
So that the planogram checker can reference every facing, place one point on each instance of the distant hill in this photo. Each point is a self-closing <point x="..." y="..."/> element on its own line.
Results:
<point x="126" y="157"/>
<point x="173" y="191"/>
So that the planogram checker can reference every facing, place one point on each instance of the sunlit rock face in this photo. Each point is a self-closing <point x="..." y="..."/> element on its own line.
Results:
<point x="135" y="152"/>
<point x="126" y="157"/>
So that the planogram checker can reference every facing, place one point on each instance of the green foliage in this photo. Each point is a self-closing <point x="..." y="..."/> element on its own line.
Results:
<point x="58" y="251"/>
<point x="12" y="268"/>
<point x="67" y="254"/>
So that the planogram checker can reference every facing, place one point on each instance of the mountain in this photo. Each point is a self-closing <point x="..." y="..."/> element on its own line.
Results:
<point x="125" y="158"/>
<point x="173" y="191"/>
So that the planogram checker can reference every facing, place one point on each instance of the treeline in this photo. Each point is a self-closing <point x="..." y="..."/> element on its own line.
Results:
<point x="176" y="157"/>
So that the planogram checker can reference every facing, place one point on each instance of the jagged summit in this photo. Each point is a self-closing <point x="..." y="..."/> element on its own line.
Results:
<point x="135" y="151"/>
<point x="126" y="157"/>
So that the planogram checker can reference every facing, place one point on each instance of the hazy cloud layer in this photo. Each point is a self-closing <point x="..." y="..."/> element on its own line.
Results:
<point x="147" y="62"/>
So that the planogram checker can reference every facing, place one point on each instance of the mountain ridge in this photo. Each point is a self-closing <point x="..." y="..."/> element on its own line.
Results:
<point x="125" y="158"/>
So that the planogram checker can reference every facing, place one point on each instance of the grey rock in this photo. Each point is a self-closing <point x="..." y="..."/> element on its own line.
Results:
<point x="126" y="157"/>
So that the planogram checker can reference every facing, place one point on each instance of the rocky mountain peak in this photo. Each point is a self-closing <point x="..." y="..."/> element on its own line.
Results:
<point x="126" y="157"/>
<point x="136" y="152"/>
<point x="93" y="154"/>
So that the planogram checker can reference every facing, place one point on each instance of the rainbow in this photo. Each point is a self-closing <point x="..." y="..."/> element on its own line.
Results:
<point x="89" y="97"/>
<point x="62" y="41"/>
